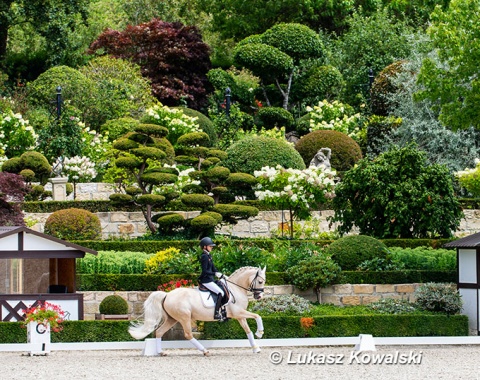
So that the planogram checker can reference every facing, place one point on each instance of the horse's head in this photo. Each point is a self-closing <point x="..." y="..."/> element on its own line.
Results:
<point x="257" y="283"/>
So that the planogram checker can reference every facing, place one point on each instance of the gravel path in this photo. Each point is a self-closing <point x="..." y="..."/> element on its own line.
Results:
<point x="428" y="362"/>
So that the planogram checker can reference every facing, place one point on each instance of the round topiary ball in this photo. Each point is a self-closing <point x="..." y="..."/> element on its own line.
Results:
<point x="345" y="151"/>
<point x="350" y="251"/>
<point x="253" y="153"/>
<point x="206" y="125"/>
<point x="113" y="304"/>
<point x="73" y="224"/>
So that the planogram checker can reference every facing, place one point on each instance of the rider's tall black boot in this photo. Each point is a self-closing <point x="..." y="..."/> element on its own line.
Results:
<point x="218" y="305"/>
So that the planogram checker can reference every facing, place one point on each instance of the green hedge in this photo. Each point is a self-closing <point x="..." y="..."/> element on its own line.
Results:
<point x="150" y="282"/>
<point x="348" y="325"/>
<point x="73" y="331"/>
<point x="275" y="327"/>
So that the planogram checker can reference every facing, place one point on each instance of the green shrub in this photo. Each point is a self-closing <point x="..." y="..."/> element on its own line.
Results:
<point x="345" y="151"/>
<point x="270" y="117"/>
<point x="122" y="262"/>
<point x="379" y="128"/>
<point x="73" y="224"/>
<point x="350" y="251"/>
<point x="439" y="297"/>
<point x="317" y="271"/>
<point x="379" y="264"/>
<point x="253" y="153"/>
<point x="119" y="127"/>
<point x="424" y="258"/>
<point x="284" y="303"/>
<point x="113" y="304"/>
<point x="33" y="161"/>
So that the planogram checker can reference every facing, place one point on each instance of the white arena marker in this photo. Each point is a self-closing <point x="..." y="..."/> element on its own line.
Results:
<point x="366" y="343"/>
<point x="150" y="348"/>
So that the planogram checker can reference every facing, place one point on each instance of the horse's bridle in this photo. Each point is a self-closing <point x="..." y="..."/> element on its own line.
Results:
<point x="252" y="288"/>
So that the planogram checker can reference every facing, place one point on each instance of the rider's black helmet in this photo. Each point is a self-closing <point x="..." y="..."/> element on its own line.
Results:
<point x="206" y="241"/>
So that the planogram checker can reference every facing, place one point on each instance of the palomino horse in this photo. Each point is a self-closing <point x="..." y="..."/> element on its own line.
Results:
<point x="163" y="310"/>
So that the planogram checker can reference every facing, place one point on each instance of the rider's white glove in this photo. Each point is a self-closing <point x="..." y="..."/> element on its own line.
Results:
<point x="219" y="274"/>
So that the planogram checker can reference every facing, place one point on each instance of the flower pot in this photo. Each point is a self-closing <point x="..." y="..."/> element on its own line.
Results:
<point x="38" y="334"/>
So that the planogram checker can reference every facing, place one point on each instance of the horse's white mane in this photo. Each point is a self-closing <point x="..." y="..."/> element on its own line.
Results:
<point x="242" y="269"/>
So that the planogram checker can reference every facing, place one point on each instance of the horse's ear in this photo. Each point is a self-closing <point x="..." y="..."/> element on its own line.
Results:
<point x="264" y="269"/>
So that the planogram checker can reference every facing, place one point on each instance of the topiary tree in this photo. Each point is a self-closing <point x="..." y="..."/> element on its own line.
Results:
<point x="141" y="155"/>
<point x="275" y="55"/>
<point x="383" y="86"/>
<point x="351" y="251"/>
<point x="271" y="117"/>
<point x="398" y="195"/>
<point x="345" y="151"/>
<point x="205" y="124"/>
<point x="317" y="83"/>
<point x="34" y="161"/>
<point x="113" y="305"/>
<point x="118" y="127"/>
<point x="253" y="153"/>
<point x="73" y="224"/>
<point x="317" y="271"/>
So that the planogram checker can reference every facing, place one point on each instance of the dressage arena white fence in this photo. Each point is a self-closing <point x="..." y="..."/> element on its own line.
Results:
<point x="361" y="343"/>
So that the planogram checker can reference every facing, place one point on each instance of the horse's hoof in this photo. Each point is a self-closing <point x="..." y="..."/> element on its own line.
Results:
<point x="206" y="353"/>
<point x="256" y="350"/>
<point x="259" y="334"/>
<point x="163" y="353"/>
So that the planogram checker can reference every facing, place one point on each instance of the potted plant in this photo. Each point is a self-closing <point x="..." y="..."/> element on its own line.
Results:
<point x="40" y="320"/>
<point x="113" y="307"/>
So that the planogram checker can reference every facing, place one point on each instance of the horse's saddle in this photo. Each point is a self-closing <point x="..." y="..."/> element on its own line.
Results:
<point x="209" y="299"/>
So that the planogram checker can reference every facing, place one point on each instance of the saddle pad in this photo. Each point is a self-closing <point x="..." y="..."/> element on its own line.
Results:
<point x="207" y="299"/>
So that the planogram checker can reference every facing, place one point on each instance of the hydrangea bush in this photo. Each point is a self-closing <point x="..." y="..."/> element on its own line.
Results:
<point x="16" y="135"/>
<point x="299" y="191"/>
<point x="335" y="116"/>
<point x="470" y="179"/>
<point x="173" y="119"/>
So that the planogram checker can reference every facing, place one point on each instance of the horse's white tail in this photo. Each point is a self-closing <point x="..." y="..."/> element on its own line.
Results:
<point x="153" y="315"/>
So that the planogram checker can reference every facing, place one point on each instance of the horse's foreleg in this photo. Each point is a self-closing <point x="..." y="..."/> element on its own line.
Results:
<point x="160" y="332"/>
<point x="258" y="319"/>
<point x="251" y="339"/>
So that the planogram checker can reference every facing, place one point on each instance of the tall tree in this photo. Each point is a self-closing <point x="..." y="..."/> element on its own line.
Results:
<point x="54" y="20"/>
<point x="172" y="55"/>
<point x="454" y="82"/>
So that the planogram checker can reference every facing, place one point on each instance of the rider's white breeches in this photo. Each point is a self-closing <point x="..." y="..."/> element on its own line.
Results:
<point x="214" y="288"/>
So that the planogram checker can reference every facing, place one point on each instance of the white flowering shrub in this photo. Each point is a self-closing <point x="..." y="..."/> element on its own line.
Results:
<point x="335" y="116"/>
<point x="16" y="135"/>
<point x="470" y="179"/>
<point x="284" y="303"/>
<point x="173" y="119"/>
<point x="299" y="191"/>
<point x="77" y="169"/>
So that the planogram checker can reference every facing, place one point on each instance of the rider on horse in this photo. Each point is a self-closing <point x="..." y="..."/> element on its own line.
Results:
<point x="207" y="276"/>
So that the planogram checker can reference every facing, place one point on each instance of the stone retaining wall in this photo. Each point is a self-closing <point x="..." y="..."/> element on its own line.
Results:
<point x="265" y="224"/>
<point x="339" y="295"/>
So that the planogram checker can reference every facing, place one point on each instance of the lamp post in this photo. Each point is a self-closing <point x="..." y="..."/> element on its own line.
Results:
<point x="59" y="102"/>
<point x="371" y="77"/>
<point x="228" y="94"/>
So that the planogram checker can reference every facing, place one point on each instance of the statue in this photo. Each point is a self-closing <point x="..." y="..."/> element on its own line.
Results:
<point x="322" y="158"/>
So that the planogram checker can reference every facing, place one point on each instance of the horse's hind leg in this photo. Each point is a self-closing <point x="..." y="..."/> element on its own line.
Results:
<point x="187" y="330"/>
<point x="160" y="332"/>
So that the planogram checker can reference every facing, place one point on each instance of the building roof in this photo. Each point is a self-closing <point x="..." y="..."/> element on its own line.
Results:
<point x="23" y="242"/>
<point x="472" y="241"/>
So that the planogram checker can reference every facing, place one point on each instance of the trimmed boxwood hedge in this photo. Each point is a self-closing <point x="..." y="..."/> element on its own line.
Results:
<point x="150" y="282"/>
<point x="73" y="331"/>
<point x="281" y="327"/>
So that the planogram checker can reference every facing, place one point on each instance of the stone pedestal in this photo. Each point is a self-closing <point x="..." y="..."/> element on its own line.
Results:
<point x="59" y="188"/>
